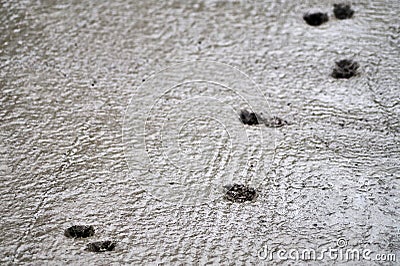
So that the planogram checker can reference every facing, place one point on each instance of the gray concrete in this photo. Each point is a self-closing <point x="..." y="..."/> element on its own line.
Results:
<point x="68" y="72"/>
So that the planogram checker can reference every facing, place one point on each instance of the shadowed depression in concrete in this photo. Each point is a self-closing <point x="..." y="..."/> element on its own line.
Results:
<point x="78" y="80"/>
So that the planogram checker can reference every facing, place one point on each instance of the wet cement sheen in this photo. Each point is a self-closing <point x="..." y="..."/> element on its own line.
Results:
<point x="67" y="72"/>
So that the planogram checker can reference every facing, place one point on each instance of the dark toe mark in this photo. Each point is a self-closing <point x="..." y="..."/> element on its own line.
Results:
<point x="275" y="122"/>
<point x="345" y="69"/>
<point x="248" y="118"/>
<point x="100" y="246"/>
<point x="239" y="193"/>
<point x="79" y="231"/>
<point x="342" y="11"/>
<point x="315" y="19"/>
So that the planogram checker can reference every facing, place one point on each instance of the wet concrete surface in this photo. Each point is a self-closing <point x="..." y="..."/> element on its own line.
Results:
<point x="68" y="71"/>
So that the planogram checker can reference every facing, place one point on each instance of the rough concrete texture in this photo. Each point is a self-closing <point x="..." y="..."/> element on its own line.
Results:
<point x="68" y="71"/>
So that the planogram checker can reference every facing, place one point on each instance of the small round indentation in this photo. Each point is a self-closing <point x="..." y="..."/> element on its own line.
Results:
<point x="345" y="69"/>
<point x="343" y="11"/>
<point x="315" y="19"/>
<point x="79" y="231"/>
